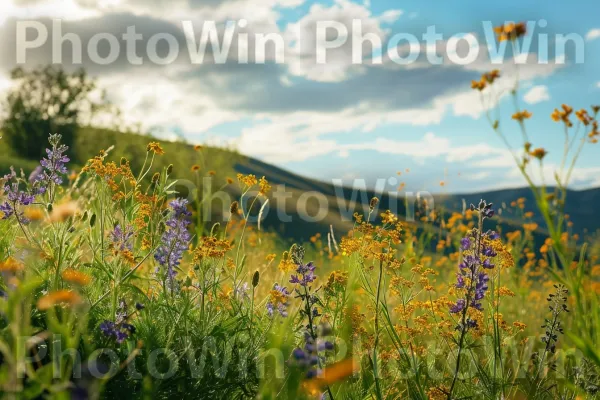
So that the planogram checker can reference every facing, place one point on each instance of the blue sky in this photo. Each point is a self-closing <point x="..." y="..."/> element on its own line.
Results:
<point x="340" y="120"/>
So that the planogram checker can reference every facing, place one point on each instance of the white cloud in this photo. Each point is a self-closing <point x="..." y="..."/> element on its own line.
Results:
<point x="430" y="146"/>
<point x="478" y="176"/>
<point x="145" y="98"/>
<point x="503" y="159"/>
<point x="301" y="38"/>
<point x="296" y="142"/>
<point x="580" y="177"/>
<point x="62" y="9"/>
<point x="390" y="16"/>
<point x="593" y="34"/>
<point x="7" y="9"/>
<point x="159" y="98"/>
<point x="537" y="94"/>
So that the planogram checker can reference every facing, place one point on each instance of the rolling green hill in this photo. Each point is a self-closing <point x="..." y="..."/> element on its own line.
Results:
<point x="340" y="203"/>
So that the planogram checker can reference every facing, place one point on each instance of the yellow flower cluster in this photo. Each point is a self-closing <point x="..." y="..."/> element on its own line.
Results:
<point x="511" y="31"/>
<point x="247" y="180"/>
<point x="155" y="148"/>
<point x="264" y="186"/>
<point x="486" y="79"/>
<point x="76" y="277"/>
<point x="286" y="264"/>
<point x="336" y="282"/>
<point x="211" y="247"/>
<point x="109" y="171"/>
<point x="563" y="115"/>
<point x="521" y="115"/>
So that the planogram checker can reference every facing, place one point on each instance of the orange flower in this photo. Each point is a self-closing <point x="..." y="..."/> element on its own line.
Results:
<point x="504" y="291"/>
<point x="155" y="148"/>
<point x="60" y="297"/>
<point x="510" y="31"/>
<point x="558" y="115"/>
<point x="519" y="325"/>
<point x="521" y="115"/>
<point x="478" y="85"/>
<point x="539" y="153"/>
<point x="332" y="374"/>
<point x="583" y="116"/>
<point x="76" y="277"/>
<point x="195" y="168"/>
<point x="11" y="265"/>
<point x="34" y="214"/>
<point x="491" y="76"/>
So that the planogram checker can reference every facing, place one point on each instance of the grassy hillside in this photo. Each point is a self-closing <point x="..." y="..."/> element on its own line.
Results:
<point x="217" y="165"/>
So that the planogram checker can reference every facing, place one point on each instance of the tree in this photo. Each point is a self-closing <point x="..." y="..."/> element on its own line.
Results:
<point x="47" y="100"/>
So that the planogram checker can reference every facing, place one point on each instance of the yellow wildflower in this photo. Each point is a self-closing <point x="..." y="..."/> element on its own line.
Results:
<point x="155" y="148"/>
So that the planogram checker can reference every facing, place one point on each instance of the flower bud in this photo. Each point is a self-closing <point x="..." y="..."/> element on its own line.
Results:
<point x="233" y="209"/>
<point x="255" y="279"/>
<point x="373" y="203"/>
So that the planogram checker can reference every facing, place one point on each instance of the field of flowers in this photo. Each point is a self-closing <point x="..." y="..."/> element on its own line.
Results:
<point x="113" y="287"/>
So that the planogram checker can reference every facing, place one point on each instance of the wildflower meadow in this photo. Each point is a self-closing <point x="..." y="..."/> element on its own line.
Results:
<point x="115" y="285"/>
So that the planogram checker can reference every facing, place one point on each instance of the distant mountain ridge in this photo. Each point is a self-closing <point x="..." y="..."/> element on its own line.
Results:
<point x="580" y="203"/>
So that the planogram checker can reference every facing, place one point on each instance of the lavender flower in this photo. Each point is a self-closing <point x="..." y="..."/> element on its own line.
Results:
<point x="311" y="357"/>
<point x="35" y="174"/>
<point x="174" y="240"/>
<point x="465" y="243"/>
<point x="54" y="163"/>
<point x="47" y="174"/>
<point x="121" y="239"/>
<point x="474" y="267"/>
<point x="120" y="330"/>
<point x="53" y="166"/>
<point x="278" y="300"/>
<point x="458" y="307"/>
<point x="242" y="291"/>
<point x="15" y="198"/>
<point x="306" y="274"/>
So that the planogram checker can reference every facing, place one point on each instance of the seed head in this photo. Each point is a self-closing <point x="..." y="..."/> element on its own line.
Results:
<point x="255" y="279"/>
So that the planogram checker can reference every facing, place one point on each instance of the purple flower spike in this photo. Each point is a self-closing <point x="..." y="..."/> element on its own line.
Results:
<point x="53" y="166"/>
<point x="121" y="238"/>
<point x="175" y="239"/>
<point x="473" y="269"/>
